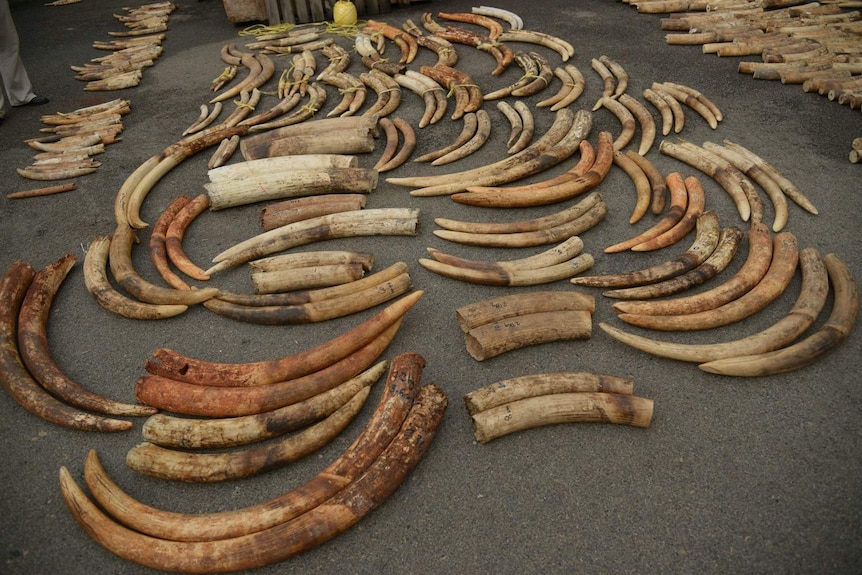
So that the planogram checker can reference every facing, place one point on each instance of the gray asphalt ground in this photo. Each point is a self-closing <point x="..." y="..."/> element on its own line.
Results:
<point x="735" y="475"/>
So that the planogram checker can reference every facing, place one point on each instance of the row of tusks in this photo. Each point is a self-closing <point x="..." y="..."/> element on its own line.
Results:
<point x="540" y="399"/>
<point x="137" y="49"/>
<point x="495" y="326"/>
<point x="394" y="440"/>
<point x="74" y="138"/>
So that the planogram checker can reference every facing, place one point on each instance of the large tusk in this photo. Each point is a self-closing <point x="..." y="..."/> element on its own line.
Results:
<point x="845" y="309"/>
<point x="262" y="168"/>
<point x="557" y="192"/>
<point x="694" y="209"/>
<point x="282" y="107"/>
<point x="36" y="355"/>
<point x="293" y="210"/>
<point x="443" y="48"/>
<point x="156" y="461"/>
<point x="350" y="88"/>
<point x="406" y="43"/>
<point x="811" y="299"/>
<point x="677" y="209"/>
<point x="381" y="221"/>
<point x="541" y="384"/>
<point x="312" y="259"/>
<point x="284" y="540"/>
<point x="506" y="307"/>
<point x="303" y="278"/>
<point x="627" y="120"/>
<point x="583" y="407"/>
<point x="436" y="90"/>
<point x="578" y="86"/>
<point x="399" y="393"/>
<point x="645" y="121"/>
<point x="567" y="84"/>
<point x="562" y="47"/>
<point x="419" y="89"/>
<point x="173" y="365"/>
<point x="657" y="183"/>
<point x="643" y="190"/>
<point x="492" y="339"/>
<point x="260" y="69"/>
<point x="560" y="253"/>
<point x="528" y="128"/>
<point x="177" y="230"/>
<point x="704" y="244"/>
<point x="728" y="243"/>
<point x="390" y="132"/>
<point x="120" y="261"/>
<point x="513" y="20"/>
<point x="784" y="259"/>
<point x="512" y="276"/>
<point x="494" y="28"/>
<point x="14" y="377"/>
<point x="96" y="280"/>
<point x="408" y="137"/>
<point x="387" y="90"/>
<point x="212" y="433"/>
<point x="689" y="100"/>
<point x="478" y="139"/>
<point x="664" y="109"/>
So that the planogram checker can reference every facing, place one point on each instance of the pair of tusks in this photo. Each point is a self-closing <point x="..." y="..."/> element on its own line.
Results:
<point x="224" y="152"/>
<point x="347" y="135"/>
<point x="572" y="86"/>
<point x="585" y="175"/>
<point x="560" y="46"/>
<point x="305" y="46"/>
<point x="304" y="67"/>
<point x="392" y="156"/>
<point x="339" y="60"/>
<point x="290" y="38"/>
<point x="296" y="209"/>
<point x="260" y="69"/>
<point x="522" y="125"/>
<point x="433" y="95"/>
<point x="493" y="27"/>
<point x="28" y="371"/>
<point x="521" y="320"/>
<point x="772" y="351"/>
<point x="513" y="20"/>
<point x="314" y="274"/>
<point x="354" y="485"/>
<point x="316" y="100"/>
<point x="381" y="221"/>
<point x="770" y="286"/>
<point x="478" y="139"/>
<point x="88" y="113"/>
<point x="353" y="93"/>
<point x="407" y="45"/>
<point x="444" y="49"/>
<point x="205" y="118"/>
<point x="705" y="243"/>
<point x="468" y="132"/>
<point x="555" y="227"/>
<point x="614" y="78"/>
<point x="502" y="54"/>
<point x="537" y="75"/>
<point x="387" y="90"/>
<point x="558" y="143"/>
<point x="536" y="400"/>
<point x="560" y="262"/>
<point x="467" y="93"/>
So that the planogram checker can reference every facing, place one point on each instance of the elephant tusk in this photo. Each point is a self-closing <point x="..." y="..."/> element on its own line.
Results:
<point x="494" y="28"/>
<point x="223" y="153"/>
<point x="809" y="303"/>
<point x="406" y="43"/>
<point x="284" y="105"/>
<point x="206" y="118"/>
<point x="645" y="121"/>
<point x="158" y="243"/>
<point x="542" y="384"/>
<point x="36" y="354"/>
<point x="477" y="140"/>
<point x="177" y="230"/>
<point x="803" y="353"/>
<point x="387" y="90"/>
<point x="690" y="101"/>
<point x="516" y="123"/>
<point x="657" y="183"/>
<point x="339" y="60"/>
<point x="14" y="377"/>
<point x="560" y="253"/>
<point x="303" y="278"/>
<point x="530" y="67"/>
<point x="694" y="209"/>
<point x="784" y="260"/>
<point x="492" y="339"/>
<point x="621" y="77"/>
<point x="562" y="47"/>
<point x="528" y="128"/>
<point x="513" y="20"/>
<point x="512" y="277"/>
<point x="541" y="80"/>
<point x="296" y="209"/>
<point x="578" y="86"/>
<point x="664" y="109"/>
<point x="608" y="81"/>
<point x="506" y="307"/>
<point x="417" y="87"/>
<point x="316" y="100"/>
<point x="350" y="87"/>
<point x="643" y="190"/>
<point x="96" y="280"/>
<point x="390" y="132"/>
<point x="408" y="137"/>
<point x="627" y="121"/>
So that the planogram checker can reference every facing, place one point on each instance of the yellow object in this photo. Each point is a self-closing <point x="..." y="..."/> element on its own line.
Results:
<point x="344" y="13"/>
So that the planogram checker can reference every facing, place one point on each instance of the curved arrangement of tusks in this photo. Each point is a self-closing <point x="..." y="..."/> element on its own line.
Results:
<point x="534" y="320"/>
<point x="705" y="243"/>
<point x="418" y="87"/>
<point x="476" y="141"/>
<point x="15" y="378"/>
<point x="643" y="190"/>
<point x="353" y="93"/>
<point x="471" y="124"/>
<point x="670" y="110"/>
<point x="387" y="90"/>
<point x="691" y="98"/>
<point x="406" y="43"/>
<point x="560" y="46"/>
<point x="540" y="399"/>
<point x="694" y="208"/>
<point x="318" y="512"/>
<point x="502" y="54"/>
<point x="445" y="51"/>
<point x="468" y="96"/>
<point x="380" y="221"/>
<point x="514" y="21"/>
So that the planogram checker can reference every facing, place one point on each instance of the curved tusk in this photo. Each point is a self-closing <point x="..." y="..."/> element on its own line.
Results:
<point x="390" y="132"/>
<point x="423" y="92"/>
<point x="408" y="137"/>
<point x="645" y="121"/>
<point x="96" y="280"/>
<point x="492" y="339"/>
<point x="627" y="121"/>
<point x="607" y="78"/>
<point x="36" y="355"/>
<point x="311" y="259"/>
<point x="213" y="433"/>
<point x="643" y="190"/>
<point x="528" y="129"/>
<point x="494" y="28"/>
<point x="483" y="132"/>
<point x="296" y="209"/>
<point x="516" y="123"/>
<point x="513" y="20"/>
<point x="667" y="116"/>
<point x="621" y="77"/>
<point x="284" y="540"/>
<point x="657" y="183"/>
<point x="694" y="209"/>
<point x="206" y="118"/>
<point x="398" y="395"/>
<point x="560" y="253"/>
<point x="512" y="277"/>
<point x="284" y="105"/>
<point x="157" y="243"/>
<point x="177" y="230"/>
<point x="406" y="43"/>
<point x="436" y="90"/>
<point x="505" y="307"/>
<point x="801" y="354"/>
<point x="471" y="123"/>
<point x="704" y="244"/>
<point x="677" y="209"/>
<point x="530" y="67"/>
<point x="14" y="377"/>
<point x="223" y="153"/>
<point x="584" y="407"/>
<point x="567" y="85"/>
<point x="752" y="271"/>
<point x="316" y="100"/>
<point x="562" y="47"/>
<point x="728" y="243"/>
<point x="784" y="259"/>
<point x="541" y="80"/>
<point x="716" y="112"/>
<point x="809" y="303"/>
<point x="542" y="384"/>
<point x="578" y="86"/>
<point x="350" y="87"/>
<point x="690" y="101"/>
<point x="156" y="461"/>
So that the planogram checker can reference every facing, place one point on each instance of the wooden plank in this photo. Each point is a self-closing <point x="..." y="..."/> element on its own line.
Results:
<point x="371" y="7"/>
<point x="301" y="8"/>
<point x="317" y="12"/>
<point x="285" y="8"/>
<point x="273" y="14"/>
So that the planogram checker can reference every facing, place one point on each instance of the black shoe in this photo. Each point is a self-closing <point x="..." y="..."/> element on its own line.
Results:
<point x="36" y="101"/>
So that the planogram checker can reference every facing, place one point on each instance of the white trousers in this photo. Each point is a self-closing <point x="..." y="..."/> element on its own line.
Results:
<point x="16" y="83"/>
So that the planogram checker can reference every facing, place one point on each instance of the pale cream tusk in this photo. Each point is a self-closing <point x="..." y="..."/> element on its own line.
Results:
<point x="643" y="190"/>
<point x="690" y="101"/>
<point x="483" y="132"/>
<point x="694" y="209"/>
<point x="408" y="139"/>
<point x="608" y="81"/>
<point x="578" y="86"/>
<point x="516" y="124"/>
<point x="667" y="118"/>
<point x="512" y="277"/>
<point x="657" y="182"/>
<point x="504" y="307"/>
<point x="513" y="20"/>
<point x="645" y="120"/>
<point x="560" y="253"/>
<point x="621" y="77"/>
<point x="471" y="124"/>
<point x="492" y="339"/>
<point x="276" y="164"/>
<point x="562" y="47"/>
<point x="528" y="128"/>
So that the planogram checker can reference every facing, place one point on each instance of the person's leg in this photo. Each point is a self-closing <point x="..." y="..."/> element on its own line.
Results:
<point x="16" y="82"/>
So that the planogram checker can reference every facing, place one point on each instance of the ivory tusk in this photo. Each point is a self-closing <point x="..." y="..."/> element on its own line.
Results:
<point x="177" y="230"/>
<point x="316" y="100"/>
<point x="478" y="139"/>
<point x="471" y="124"/>
<point x="512" y="277"/>
<point x="677" y="209"/>
<point x="578" y="86"/>
<point x="282" y="107"/>
<point x="528" y="129"/>
<point x="627" y="121"/>
<point x="36" y="355"/>
<point x="96" y="280"/>
<point x="224" y="152"/>
<point x="327" y="519"/>
<point x="501" y="308"/>
<point x="608" y="81"/>
<point x="694" y="209"/>
<point x="270" y="166"/>
<point x="331" y="136"/>
<point x="773" y="283"/>
<point x="529" y="65"/>
<point x="407" y="45"/>
<point x="492" y="339"/>
<point x="516" y="124"/>
<point x="562" y="47"/>
<point x="296" y="209"/>
<point x="423" y="92"/>
<point x="809" y="303"/>
<point x="399" y="393"/>
<point x="667" y="117"/>
<point x="494" y="28"/>
<point x="540" y="82"/>
<point x="45" y="191"/>
<point x="513" y="20"/>
<point x="716" y="112"/>
<point x="645" y="121"/>
<point x="156" y="461"/>
<point x="567" y="85"/>
<point x="408" y="137"/>
<point x="213" y="433"/>
<point x="206" y="118"/>
<point x="657" y="183"/>
<point x="583" y="407"/>
<point x="728" y="243"/>
<point x="317" y="276"/>
<point x="158" y="240"/>
<point x="543" y="384"/>
<point x="845" y="309"/>
<point x="643" y="190"/>
<point x="391" y="135"/>
<point x="560" y="253"/>
<point x="621" y="77"/>
<point x="690" y="101"/>
<point x="350" y="88"/>
<point x="14" y="377"/>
